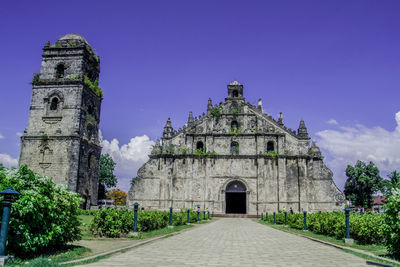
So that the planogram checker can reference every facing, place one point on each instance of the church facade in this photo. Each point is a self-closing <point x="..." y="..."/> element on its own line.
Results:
<point x="236" y="159"/>
<point x="61" y="140"/>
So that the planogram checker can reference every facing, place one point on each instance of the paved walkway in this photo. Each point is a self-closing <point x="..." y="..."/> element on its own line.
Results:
<point x="233" y="242"/>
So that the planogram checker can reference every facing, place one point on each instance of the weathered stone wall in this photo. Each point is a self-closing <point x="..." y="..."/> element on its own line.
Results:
<point x="61" y="139"/>
<point x="292" y="175"/>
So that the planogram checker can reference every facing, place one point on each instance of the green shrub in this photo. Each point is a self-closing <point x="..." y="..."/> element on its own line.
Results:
<point x="367" y="228"/>
<point x="44" y="217"/>
<point x="117" y="223"/>
<point x="392" y="223"/>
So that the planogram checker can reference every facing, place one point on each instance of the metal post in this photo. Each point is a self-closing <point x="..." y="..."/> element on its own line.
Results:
<point x="266" y="217"/>
<point x="4" y="228"/>
<point x="274" y="217"/>
<point x="135" y="210"/>
<point x="347" y="213"/>
<point x="9" y="197"/>
<point x="204" y="214"/>
<point x="305" y="220"/>
<point x="208" y="212"/>
<point x="285" y="217"/>
<point x="170" y="216"/>
<point x="198" y="215"/>
<point x="188" y="216"/>
<point x="262" y="216"/>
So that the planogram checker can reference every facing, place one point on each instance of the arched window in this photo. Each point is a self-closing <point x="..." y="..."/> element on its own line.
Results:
<point x="90" y="131"/>
<point x="90" y="110"/>
<point x="235" y="93"/>
<point x="60" y="71"/>
<point x="54" y="103"/>
<point x="234" y="125"/>
<point x="235" y="148"/>
<point x="270" y="146"/>
<point x="200" y="146"/>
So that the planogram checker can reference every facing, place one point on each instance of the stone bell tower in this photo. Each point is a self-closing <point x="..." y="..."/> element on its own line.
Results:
<point x="61" y="140"/>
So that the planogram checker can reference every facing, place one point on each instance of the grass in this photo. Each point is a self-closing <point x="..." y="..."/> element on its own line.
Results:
<point x="85" y="227"/>
<point x="54" y="258"/>
<point x="378" y="250"/>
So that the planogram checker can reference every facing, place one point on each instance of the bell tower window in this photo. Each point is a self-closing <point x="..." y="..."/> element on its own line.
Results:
<point x="270" y="146"/>
<point x="234" y="125"/>
<point x="60" y="71"/>
<point x="200" y="146"/>
<point x="235" y="148"/>
<point x="54" y="103"/>
<point x="235" y="93"/>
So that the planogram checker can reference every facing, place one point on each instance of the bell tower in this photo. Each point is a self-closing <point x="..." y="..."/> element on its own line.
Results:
<point x="61" y="140"/>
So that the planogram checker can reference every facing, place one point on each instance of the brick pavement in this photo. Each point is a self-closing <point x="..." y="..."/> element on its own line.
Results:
<point x="233" y="242"/>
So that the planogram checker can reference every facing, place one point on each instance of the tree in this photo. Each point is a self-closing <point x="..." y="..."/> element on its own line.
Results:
<point x="117" y="195"/>
<point x="106" y="175"/>
<point x="392" y="223"/>
<point x="362" y="182"/>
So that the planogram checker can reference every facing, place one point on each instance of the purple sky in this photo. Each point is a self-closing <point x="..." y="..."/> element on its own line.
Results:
<point x="317" y="60"/>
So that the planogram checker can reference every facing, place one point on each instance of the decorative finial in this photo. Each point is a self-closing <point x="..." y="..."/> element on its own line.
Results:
<point x="280" y="120"/>
<point x="190" y="119"/>
<point x="302" y="131"/>
<point x="209" y="106"/>
<point x="259" y="106"/>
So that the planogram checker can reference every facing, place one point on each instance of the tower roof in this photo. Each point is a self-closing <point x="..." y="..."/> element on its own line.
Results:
<point x="73" y="36"/>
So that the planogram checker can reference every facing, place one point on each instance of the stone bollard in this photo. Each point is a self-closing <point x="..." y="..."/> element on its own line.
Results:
<point x="305" y="220"/>
<point x="188" y="216"/>
<point x="285" y="217"/>
<point x="274" y="217"/>
<point x="347" y="239"/>
<point x="10" y="196"/>
<point x="170" y="218"/>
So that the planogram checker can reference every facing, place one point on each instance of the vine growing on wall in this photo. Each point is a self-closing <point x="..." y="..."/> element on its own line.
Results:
<point x="94" y="86"/>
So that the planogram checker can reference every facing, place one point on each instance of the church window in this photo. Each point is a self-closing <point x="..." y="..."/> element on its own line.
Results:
<point x="60" y="71"/>
<point x="235" y="93"/>
<point x="200" y="146"/>
<point x="54" y="103"/>
<point x="270" y="146"/>
<point x="234" y="125"/>
<point x="90" y="110"/>
<point x="235" y="148"/>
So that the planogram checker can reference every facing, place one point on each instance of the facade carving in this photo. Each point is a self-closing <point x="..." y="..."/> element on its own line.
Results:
<point x="236" y="159"/>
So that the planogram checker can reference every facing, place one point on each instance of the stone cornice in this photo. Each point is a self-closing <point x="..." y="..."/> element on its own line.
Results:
<point x="194" y="156"/>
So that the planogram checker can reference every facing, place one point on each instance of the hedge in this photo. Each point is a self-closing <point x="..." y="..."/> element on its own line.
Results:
<point x="116" y="223"/>
<point x="367" y="228"/>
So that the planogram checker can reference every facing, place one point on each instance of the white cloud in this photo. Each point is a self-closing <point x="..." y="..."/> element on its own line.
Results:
<point x="333" y="122"/>
<point x="18" y="134"/>
<point x="8" y="161"/>
<point x="1" y="136"/>
<point x="349" y="144"/>
<point x="128" y="157"/>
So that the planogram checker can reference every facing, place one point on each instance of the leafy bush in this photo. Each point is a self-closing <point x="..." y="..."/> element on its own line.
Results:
<point x="366" y="228"/>
<point x="392" y="223"/>
<point x="117" y="223"/>
<point x="44" y="217"/>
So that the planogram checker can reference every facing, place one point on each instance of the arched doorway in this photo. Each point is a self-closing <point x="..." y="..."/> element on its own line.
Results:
<point x="235" y="197"/>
